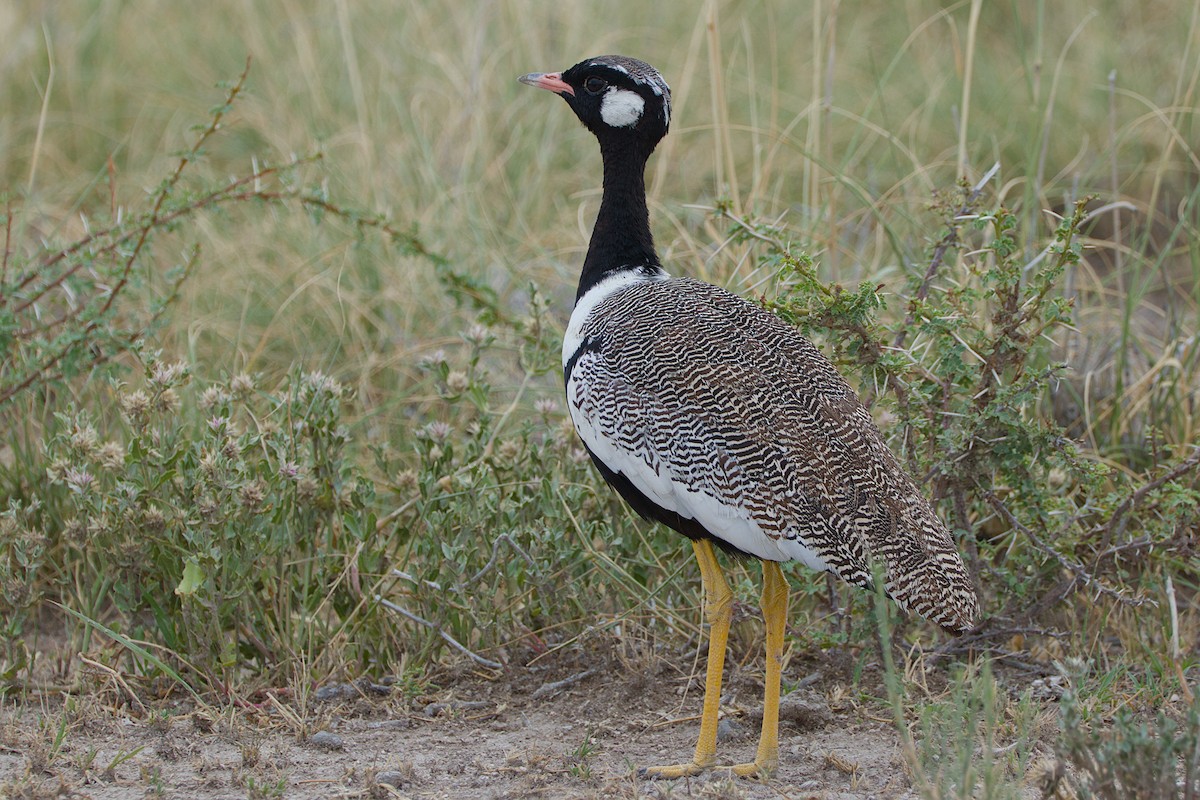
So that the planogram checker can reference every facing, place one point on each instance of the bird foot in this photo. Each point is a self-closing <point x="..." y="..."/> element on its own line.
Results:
<point x="754" y="769"/>
<point x="672" y="772"/>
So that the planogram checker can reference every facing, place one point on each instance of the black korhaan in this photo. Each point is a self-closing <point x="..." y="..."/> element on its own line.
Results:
<point x="713" y="416"/>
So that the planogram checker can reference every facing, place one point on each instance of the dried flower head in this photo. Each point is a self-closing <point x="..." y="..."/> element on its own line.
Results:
<point x="251" y="494"/>
<point x="242" y="385"/>
<point x="434" y="359"/>
<point x="406" y="480"/>
<point x="79" y="480"/>
<point x="111" y="455"/>
<point x="57" y="470"/>
<point x="167" y="401"/>
<point x="153" y="519"/>
<point x="135" y="405"/>
<point x="208" y="507"/>
<point x="458" y="382"/>
<point x="477" y="335"/>
<point x="167" y="374"/>
<point x="307" y="488"/>
<point x="212" y="397"/>
<point x="319" y="383"/>
<point x="509" y="450"/>
<point x="84" y="440"/>
<point x="210" y="464"/>
<point x="75" y="530"/>
<point x="438" y="431"/>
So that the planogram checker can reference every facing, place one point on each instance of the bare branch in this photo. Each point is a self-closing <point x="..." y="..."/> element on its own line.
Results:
<point x="939" y="254"/>
<point x="433" y="626"/>
<point x="1080" y="574"/>
<point x="1120" y="519"/>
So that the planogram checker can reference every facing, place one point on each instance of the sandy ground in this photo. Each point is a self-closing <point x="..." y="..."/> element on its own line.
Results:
<point x="520" y="734"/>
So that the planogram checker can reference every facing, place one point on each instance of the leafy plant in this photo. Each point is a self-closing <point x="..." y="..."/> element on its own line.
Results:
<point x="239" y="532"/>
<point x="229" y="520"/>
<point x="1137" y="757"/>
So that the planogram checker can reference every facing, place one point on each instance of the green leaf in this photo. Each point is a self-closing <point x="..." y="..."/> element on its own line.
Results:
<point x="193" y="576"/>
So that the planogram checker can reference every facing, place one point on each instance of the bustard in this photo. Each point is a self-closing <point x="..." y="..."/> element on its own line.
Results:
<point x="711" y="415"/>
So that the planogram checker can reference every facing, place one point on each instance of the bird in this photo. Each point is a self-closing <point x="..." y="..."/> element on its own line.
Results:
<point x="711" y="415"/>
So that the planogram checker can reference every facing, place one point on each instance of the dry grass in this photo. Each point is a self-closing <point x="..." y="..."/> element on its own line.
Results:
<point x="842" y="122"/>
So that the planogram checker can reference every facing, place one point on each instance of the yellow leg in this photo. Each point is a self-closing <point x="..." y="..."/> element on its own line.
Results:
<point x="774" y="608"/>
<point x="718" y="602"/>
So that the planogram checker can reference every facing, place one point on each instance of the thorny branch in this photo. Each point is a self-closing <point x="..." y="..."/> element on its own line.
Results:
<point x="111" y="240"/>
<point x="1120" y="517"/>
<point x="1080" y="574"/>
<point x="165" y="191"/>
<point x="939" y="254"/>
<point x="41" y="372"/>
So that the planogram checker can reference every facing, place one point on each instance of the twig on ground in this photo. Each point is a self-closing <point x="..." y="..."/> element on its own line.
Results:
<point x="547" y="689"/>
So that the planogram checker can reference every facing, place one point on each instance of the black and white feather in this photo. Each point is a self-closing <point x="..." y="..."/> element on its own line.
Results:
<point x="717" y="412"/>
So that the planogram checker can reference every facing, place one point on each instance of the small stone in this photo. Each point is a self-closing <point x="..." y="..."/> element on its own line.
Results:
<point x="806" y="710"/>
<point x="327" y="741"/>
<point x="334" y="691"/>
<point x="392" y="777"/>
<point x="728" y="730"/>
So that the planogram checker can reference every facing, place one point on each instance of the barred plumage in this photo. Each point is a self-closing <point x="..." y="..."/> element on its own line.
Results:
<point x="720" y="412"/>
<point x="714" y="417"/>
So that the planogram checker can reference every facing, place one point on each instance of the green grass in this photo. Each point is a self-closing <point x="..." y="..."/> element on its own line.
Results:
<point x="239" y="529"/>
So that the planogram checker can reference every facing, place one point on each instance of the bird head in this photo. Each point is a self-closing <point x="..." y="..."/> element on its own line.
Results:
<point x="613" y="96"/>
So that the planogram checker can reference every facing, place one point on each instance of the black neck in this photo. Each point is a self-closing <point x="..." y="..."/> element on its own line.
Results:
<point x="621" y="239"/>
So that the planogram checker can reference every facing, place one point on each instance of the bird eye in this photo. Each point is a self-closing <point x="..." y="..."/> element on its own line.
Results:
<point x="595" y="85"/>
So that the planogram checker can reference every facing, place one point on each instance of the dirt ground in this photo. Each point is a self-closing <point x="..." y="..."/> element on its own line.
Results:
<point x="571" y="727"/>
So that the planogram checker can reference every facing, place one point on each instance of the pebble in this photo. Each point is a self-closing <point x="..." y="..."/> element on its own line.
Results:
<point x="327" y="741"/>
<point x="350" y="691"/>
<point x="806" y="710"/>
<point x="727" y="730"/>
<point x="391" y="777"/>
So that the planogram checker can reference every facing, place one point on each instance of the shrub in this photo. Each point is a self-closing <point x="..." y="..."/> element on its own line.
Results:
<point x="228" y="522"/>
<point x="243" y="530"/>
<point x="1138" y="757"/>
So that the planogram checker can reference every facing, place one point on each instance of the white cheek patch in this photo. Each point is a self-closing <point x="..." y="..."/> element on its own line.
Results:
<point x="621" y="108"/>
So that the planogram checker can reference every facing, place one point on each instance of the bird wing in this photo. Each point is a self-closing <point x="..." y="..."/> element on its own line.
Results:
<point x="719" y="412"/>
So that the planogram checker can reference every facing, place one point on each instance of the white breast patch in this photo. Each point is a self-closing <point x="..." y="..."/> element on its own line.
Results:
<point x="622" y="108"/>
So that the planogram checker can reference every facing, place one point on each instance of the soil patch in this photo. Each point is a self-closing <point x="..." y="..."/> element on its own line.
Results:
<point x="576" y="726"/>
